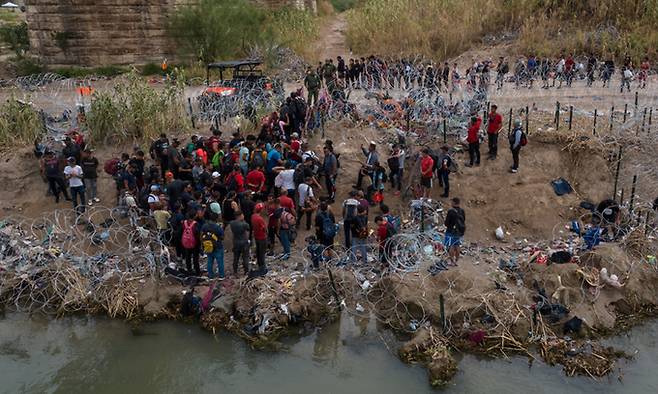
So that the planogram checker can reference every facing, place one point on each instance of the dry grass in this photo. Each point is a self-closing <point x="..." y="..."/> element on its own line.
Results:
<point x="443" y="28"/>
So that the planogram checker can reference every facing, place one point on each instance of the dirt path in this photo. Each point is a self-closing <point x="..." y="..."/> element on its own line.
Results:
<point x="332" y="41"/>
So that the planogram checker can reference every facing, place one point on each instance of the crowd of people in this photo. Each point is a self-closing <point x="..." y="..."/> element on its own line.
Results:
<point x="265" y="186"/>
<point x="386" y="73"/>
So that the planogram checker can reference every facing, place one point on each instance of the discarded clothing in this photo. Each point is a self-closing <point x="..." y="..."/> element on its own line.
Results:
<point x="561" y="186"/>
<point x="561" y="257"/>
<point x="573" y="325"/>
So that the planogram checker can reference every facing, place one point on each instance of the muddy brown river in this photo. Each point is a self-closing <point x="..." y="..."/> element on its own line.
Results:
<point x="97" y="355"/>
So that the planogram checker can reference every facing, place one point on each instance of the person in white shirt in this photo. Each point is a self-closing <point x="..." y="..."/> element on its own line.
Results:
<point x="73" y="174"/>
<point x="306" y="203"/>
<point x="286" y="180"/>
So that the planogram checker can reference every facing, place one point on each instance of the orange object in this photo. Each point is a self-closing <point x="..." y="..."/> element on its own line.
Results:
<point x="200" y="153"/>
<point x="222" y="90"/>
<point x="85" y="90"/>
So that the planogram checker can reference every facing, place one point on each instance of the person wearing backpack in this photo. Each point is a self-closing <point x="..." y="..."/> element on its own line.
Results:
<point x="190" y="244"/>
<point x="287" y="232"/>
<point x="517" y="139"/>
<point x="358" y="227"/>
<point x="212" y="237"/>
<point x="325" y="225"/>
<point x="455" y="228"/>
<point x="350" y="209"/>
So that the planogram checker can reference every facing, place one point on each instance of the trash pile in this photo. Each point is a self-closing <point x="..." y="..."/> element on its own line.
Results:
<point x="62" y="264"/>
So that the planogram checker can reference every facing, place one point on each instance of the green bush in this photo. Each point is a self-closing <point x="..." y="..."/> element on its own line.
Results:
<point x="136" y="112"/>
<point x="15" y="37"/>
<point x="24" y="65"/>
<point x="343" y="5"/>
<point x="221" y="29"/>
<point x="81" y="72"/>
<point x="20" y="124"/>
<point x="216" y="29"/>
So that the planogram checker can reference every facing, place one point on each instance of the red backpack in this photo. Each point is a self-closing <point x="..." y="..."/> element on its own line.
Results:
<point x="111" y="166"/>
<point x="189" y="239"/>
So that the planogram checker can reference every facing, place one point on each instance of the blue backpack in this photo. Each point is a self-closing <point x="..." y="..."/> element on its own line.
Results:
<point x="328" y="226"/>
<point x="394" y="220"/>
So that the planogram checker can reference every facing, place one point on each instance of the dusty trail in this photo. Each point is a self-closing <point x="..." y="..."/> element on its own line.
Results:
<point x="332" y="39"/>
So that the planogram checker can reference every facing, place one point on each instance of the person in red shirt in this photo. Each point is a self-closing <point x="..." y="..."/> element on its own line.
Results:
<point x="286" y="202"/>
<point x="426" y="171"/>
<point x="256" y="180"/>
<point x="473" y="140"/>
<point x="235" y="180"/>
<point x="493" y="129"/>
<point x="259" y="228"/>
<point x="385" y="231"/>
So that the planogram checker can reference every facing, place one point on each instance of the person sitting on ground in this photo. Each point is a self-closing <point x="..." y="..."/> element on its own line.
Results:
<point x="455" y="228"/>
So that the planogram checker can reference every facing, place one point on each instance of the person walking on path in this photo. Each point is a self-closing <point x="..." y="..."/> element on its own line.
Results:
<point x="473" y="140"/>
<point x="312" y="82"/>
<point x="493" y="129"/>
<point x="516" y="138"/>
<point x="455" y="228"/>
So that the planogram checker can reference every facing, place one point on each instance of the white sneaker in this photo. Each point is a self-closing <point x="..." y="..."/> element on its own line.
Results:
<point x="97" y="199"/>
<point x="90" y="203"/>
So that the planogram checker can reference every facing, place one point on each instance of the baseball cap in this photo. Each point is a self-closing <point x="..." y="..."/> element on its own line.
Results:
<point x="259" y="207"/>
<point x="215" y="174"/>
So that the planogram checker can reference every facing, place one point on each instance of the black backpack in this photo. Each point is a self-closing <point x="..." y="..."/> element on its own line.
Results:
<point x="460" y="223"/>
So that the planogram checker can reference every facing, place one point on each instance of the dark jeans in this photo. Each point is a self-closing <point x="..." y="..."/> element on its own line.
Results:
<point x="347" y="224"/>
<point x="359" y="179"/>
<point x="515" y="157"/>
<point x="493" y="145"/>
<point x="474" y="152"/>
<point x="241" y="250"/>
<point x="330" y="182"/>
<point x="396" y="178"/>
<point x="444" y="180"/>
<point x="192" y="256"/>
<point x="261" y="247"/>
<point x="78" y="192"/>
<point x="312" y="97"/>
<point x="301" y="213"/>
<point x="57" y="185"/>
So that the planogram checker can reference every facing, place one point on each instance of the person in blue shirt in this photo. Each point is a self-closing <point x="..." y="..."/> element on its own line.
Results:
<point x="274" y="158"/>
